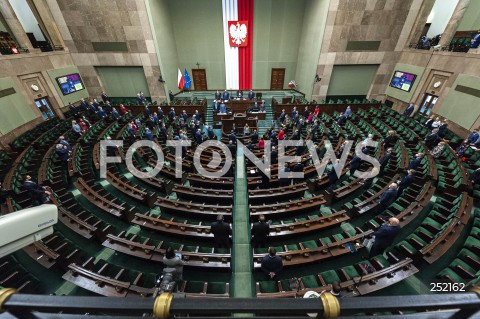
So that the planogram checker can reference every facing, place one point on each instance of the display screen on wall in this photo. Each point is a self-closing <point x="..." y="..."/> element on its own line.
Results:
<point x="402" y="80"/>
<point x="70" y="83"/>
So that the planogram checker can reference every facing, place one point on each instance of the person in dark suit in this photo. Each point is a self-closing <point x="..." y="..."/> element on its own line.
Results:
<point x="342" y="119"/>
<point x="83" y="105"/>
<point x="239" y="94"/>
<point x="95" y="103"/>
<point x="3" y="200"/>
<point x="298" y="168"/>
<point x="332" y="175"/>
<point x="232" y="137"/>
<point x="226" y="95"/>
<point x="387" y="198"/>
<point x="62" y="153"/>
<point x="37" y="193"/>
<point x="148" y="134"/>
<point x="415" y="163"/>
<point x="384" y="160"/>
<point x="367" y="182"/>
<point x="131" y="133"/>
<point x="221" y="233"/>
<point x="218" y="95"/>
<point x="294" y="113"/>
<point x="274" y="155"/>
<point x="101" y="113"/>
<point x="428" y="123"/>
<point x="284" y="181"/>
<point x="390" y="139"/>
<point x="232" y="148"/>
<point x="385" y="236"/>
<point x="473" y="137"/>
<point x="198" y="136"/>
<point x="104" y="97"/>
<point x="251" y="95"/>
<point x="442" y="129"/>
<point x="432" y="139"/>
<point x="260" y="232"/>
<point x="354" y="164"/>
<point x="409" y="110"/>
<point x="272" y="264"/>
<point x="474" y="177"/>
<point x="254" y="137"/>
<point x="282" y="116"/>
<point x="405" y="182"/>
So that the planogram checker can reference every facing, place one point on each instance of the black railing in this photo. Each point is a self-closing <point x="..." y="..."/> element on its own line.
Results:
<point x="457" y="305"/>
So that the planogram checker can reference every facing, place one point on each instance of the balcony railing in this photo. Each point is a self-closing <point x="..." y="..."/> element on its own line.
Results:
<point x="448" y="305"/>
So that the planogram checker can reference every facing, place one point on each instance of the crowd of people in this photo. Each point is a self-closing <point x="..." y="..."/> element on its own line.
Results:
<point x="290" y="127"/>
<point x="220" y="106"/>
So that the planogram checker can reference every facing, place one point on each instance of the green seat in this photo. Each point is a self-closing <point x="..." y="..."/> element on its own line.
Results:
<point x="432" y="222"/>
<point x="311" y="244"/>
<point x="194" y="287"/>
<point x="330" y="276"/>
<point x="292" y="247"/>
<point x="351" y="271"/>
<point x="217" y="288"/>
<point x="310" y="281"/>
<point x="459" y="262"/>
<point x="268" y="286"/>
<point x="382" y="260"/>
<point x="348" y="228"/>
<point x="204" y="249"/>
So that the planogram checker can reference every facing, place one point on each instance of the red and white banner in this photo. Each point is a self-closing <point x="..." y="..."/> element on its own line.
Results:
<point x="238" y="33"/>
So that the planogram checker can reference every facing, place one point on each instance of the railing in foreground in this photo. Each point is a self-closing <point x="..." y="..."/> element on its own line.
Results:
<point x="458" y="305"/>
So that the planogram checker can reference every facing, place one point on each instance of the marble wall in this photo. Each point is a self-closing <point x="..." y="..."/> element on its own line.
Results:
<point x="441" y="66"/>
<point x="81" y="23"/>
<point x="387" y="21"/>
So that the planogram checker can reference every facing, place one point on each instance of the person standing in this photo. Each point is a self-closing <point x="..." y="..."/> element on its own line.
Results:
<point x="172" y="260"/>
<point x="385" y="236"/>
<point x="251" y="95"/>
<point x="415" y="163"/>
<point x="272" y="264"/>
<point x="409" y="110"/>
<point x="37" y="193"/>
<point x="260" y="232"/>
<point x="405" y="182"/>
<point x="105" y="97"/>
<point x="221" y="232"/>
<point x="354" y="164"/>
<point x="387" y="198"/>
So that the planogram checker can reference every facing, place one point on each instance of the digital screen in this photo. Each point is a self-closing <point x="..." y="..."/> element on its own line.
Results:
<point x="70" y="83"/>
<point x="402" y="80"/>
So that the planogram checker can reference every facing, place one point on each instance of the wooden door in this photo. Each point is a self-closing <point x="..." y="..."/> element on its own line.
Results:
<point x="199" y="79"/>
<point x="278" y="78"/>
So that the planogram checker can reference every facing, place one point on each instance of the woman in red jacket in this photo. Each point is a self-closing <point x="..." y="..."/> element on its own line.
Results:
<point x="261" y="143"/>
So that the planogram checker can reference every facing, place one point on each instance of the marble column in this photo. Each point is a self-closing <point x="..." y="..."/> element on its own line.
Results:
<point x="48" y="22"/>
<point x="421" y="20"/>
<point x="452" y="25"/>
<point x="15" y="26"/>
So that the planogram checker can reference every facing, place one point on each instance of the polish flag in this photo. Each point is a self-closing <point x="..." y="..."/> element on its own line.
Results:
<point x="238" y="30"/>
<point x="181" y="80"/>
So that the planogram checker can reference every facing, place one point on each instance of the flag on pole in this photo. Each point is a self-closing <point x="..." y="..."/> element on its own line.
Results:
<point x="187" y="80"/>
<point x="181" y="80"/>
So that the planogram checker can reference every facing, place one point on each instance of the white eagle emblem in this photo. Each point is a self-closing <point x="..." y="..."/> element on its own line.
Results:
<point x="238" y="33"/>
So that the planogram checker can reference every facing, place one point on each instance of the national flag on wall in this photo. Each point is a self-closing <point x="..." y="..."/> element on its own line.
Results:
<point x="238" y="33"/>
<point x="181" y="80"/>
<point x="186" y="79"/>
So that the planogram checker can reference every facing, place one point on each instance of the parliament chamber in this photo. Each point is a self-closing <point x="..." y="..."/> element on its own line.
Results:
<point x="333" y="153"/>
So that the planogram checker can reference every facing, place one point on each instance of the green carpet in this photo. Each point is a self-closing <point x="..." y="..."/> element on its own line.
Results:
<point x="242" y="281"/>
